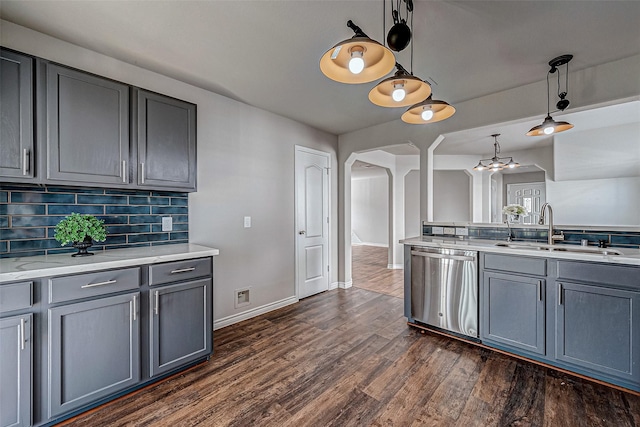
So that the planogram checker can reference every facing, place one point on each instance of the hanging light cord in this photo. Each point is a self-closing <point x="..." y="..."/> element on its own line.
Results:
<point x="411" y="38"/>
<point x="548" y="113"/>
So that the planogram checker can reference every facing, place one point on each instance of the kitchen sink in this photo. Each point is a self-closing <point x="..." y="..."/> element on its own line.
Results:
<point x="563" y="248"/>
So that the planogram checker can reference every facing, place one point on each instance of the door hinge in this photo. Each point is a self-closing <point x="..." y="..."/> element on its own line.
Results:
<point x="327" y="268"/>
<point x="327" y="220"/>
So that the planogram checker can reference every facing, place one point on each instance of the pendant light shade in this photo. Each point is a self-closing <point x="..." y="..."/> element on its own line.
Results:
<point x="357" y="60"/>
<point x="549" y="127"/>
<point x="428" y="111"/>
<point x="400" y="90"/>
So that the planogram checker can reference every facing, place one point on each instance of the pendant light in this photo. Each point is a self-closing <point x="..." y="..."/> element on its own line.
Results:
<point x="496" y="163"/>
<point x="549" y="126"/>
<point x="428" y="111"/>
<point x="357" y="60"/>
<point x="400" y="90"/>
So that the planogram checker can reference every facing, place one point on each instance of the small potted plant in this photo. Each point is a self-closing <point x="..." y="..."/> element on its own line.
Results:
<point x="81" y="230"/>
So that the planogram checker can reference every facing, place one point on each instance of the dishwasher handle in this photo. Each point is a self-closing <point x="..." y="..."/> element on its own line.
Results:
<point x="443" y="256"/>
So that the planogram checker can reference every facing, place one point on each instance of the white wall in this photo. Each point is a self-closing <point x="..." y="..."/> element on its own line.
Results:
<point x="412" y="223"/>
<point x="370" y="209"/>
<point x="245" y="168"/>
<point x="451" y="196"/>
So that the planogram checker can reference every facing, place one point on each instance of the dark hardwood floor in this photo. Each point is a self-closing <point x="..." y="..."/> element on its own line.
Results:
<point x="347" y="358"/>
<point x="369" y="271"/>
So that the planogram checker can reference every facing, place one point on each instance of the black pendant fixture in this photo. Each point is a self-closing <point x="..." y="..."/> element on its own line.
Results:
<point x="549" y="126"/>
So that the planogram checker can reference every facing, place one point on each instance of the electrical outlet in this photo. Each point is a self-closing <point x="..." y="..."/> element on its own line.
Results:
<point x="247" y="222"/>
<point x="437" y="230"/>
<point x="243" y="297"/>
<point x="449" y="230"/>
<point x="167" y="223"/>
<point x="462" y="231"/>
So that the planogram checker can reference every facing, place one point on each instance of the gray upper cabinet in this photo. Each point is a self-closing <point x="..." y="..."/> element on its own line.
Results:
<point x="87" y="128"/>
<point x="166" y="142"/>
<point x="94" y="350"/>
<point x="513" y="311"/>
<point x="16" y="116"/>
<point x="598" y="328"/>
<point x="15" y="371"/>
<point x="180" y="329"/>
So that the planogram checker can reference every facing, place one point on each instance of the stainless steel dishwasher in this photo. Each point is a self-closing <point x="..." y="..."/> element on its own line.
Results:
<point x="444" y="289"/>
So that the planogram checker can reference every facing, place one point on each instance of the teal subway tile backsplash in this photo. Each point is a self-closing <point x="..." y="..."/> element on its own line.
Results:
<point x="29" y="214"/>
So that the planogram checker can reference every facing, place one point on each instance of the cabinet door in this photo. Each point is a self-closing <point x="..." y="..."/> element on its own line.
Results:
<point x="180" y="324"/>
<point x="87" y="128"/>
<point x="94" y="350"/>
<point x="16" y="116"/>
<point x="513" y="311"/>
<point x="598" y="328"/>
<point x="15" y="371"/>
<point x="166" y="142"/>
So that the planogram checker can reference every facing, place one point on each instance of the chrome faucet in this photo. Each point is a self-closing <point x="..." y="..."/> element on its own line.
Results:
<point x="552" y="237"/>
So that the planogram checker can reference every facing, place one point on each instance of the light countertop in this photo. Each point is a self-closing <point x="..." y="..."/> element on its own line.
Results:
<point x="12" y="269"/>
<point x="629" y="256"/>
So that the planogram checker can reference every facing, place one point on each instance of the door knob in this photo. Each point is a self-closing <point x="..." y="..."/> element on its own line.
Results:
<point x="302" y="232"/>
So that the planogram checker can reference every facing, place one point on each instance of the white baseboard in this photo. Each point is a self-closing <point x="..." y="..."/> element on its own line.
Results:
<point x="378" y="245"/>
<point x="239" y="317"/>
<point x="345" y="285"/>
<point x="334" y="285"/>
<point x="395" y="266"/>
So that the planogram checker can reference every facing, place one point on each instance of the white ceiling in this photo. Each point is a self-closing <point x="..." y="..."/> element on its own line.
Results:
<point x="266" y="53"/>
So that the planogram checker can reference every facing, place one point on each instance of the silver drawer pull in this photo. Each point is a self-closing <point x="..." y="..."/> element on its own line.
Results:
<point x="135" y="307"/>
<point x="25" y="162"/>
<point x="183" y="270"/>
<point x="157" y="304"/>
<point x="22" y="335"/>
<point x="91" y="285"/>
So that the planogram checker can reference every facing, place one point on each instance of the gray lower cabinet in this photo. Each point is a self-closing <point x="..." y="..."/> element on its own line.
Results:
<point x="87" y="128"/>
<point x="598" y="328"/>
<point x="513" y="311"/>
<point x="94" y="350"/>
<point x="15" y="370"/>
<point x="180" y="329"/>
<point x="16" y="116"/>
<point x="166" y="142"/>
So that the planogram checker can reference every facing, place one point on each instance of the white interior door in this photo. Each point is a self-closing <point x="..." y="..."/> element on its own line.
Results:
<point x="312" y="221"/>
<point x="531" y="195"/>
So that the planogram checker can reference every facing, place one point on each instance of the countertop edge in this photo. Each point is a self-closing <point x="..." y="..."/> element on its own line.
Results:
<point x="13" y="269"/>
<point x="489" y="246"/>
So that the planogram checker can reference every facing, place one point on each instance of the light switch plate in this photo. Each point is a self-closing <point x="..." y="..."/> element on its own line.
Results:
<point x="437" y="230"/>
<point x="247" y="222"/>
<point x="167" y="223"/>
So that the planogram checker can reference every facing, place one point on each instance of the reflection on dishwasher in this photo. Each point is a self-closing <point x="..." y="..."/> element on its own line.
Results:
<point x="444" y="289"/>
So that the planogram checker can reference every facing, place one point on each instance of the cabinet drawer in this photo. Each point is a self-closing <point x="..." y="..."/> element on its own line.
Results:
<point x="516" y="264"/>
<point x="15" y="296"/>
<point x="179" y="271"/>
<point x="67" y="288"/>
<point x="601" y="274"/>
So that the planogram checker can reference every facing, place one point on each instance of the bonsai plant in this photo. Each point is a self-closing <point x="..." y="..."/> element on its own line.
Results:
<point x="80" y="230"/>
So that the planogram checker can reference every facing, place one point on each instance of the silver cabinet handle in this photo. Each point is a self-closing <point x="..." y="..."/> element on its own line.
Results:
<point x="25" y="161"/>
<point x="559" y="293"/>
<point x="182" y="270"/>
<point x="539" y="290"/>
<point x="302" y="232"/>
<point x="22" y="335"/>
<point x="124" y="171"/>
<point x="135" y="307"/>
<point x="91" y="285"/>
<point x="156" y="309"/>
<point x="443" y="256"/>
<point x="142" y="172"/>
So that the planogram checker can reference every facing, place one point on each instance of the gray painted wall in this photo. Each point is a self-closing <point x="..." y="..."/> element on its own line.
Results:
<point x="452" y="196"/>
<point x="412" y="204"/>
<point x="370" y="209"/>
<point x="245" y="168"/>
